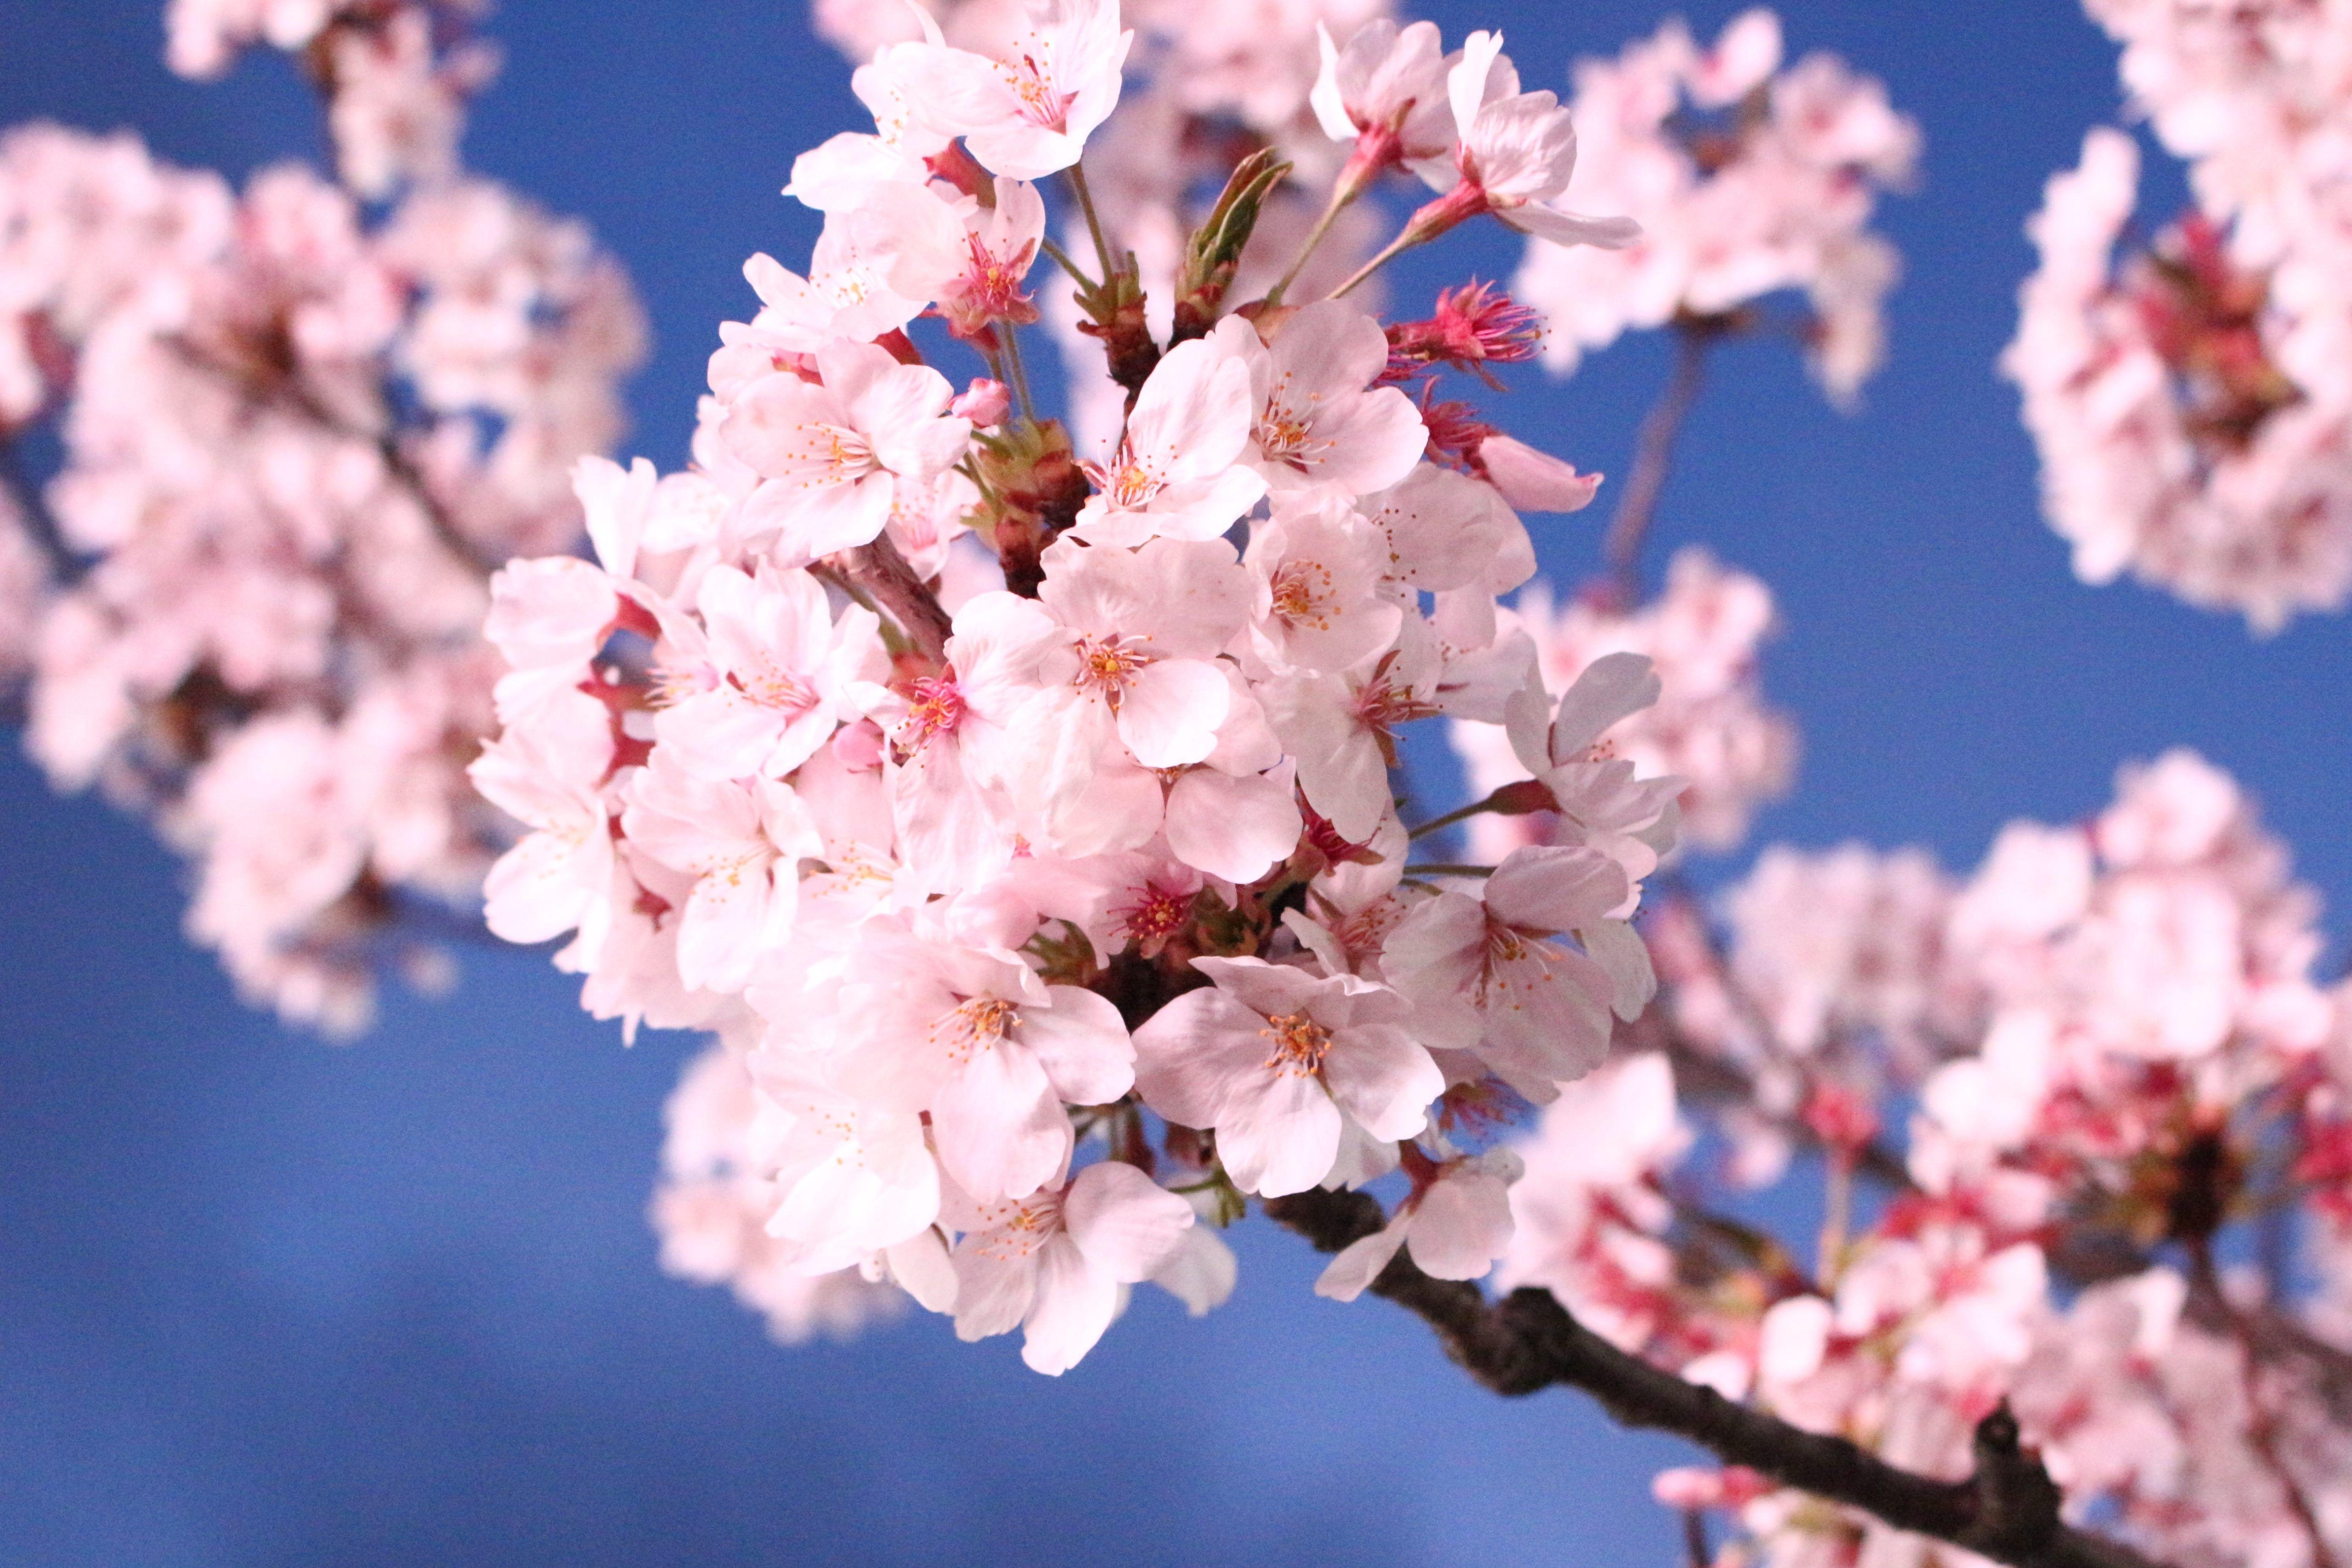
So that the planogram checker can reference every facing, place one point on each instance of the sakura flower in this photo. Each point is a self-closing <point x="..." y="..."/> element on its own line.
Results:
<point x="1054" y="1263"/>
<point x="1028" y="111"/>
<point x="1633" y="820"/>
<point x="743" y="844"/>
<point x="870" y="273"/>
<point x="1276" y="1061"/>
<point x="831" y="456"/>
<point x="994" y="1055"/>
<point x="1342" y="728"/>
<point x="551" y="777"/>
<point x="1315" y="423"/>
<point x="1000" y="245"/>
<point x="1138" y="631"/>
<point x="1487" y="974"/>
<point x="1514" y="153"/>
<point x="1176" y="473"/>
<point x="549" y="618"/>
<point x="1456" y="1225"/>
<point x="853" y="1175"/>
<point x="774" y="678"/>
<point x="1317" y="565"/>
<point x="1385" y="91"/>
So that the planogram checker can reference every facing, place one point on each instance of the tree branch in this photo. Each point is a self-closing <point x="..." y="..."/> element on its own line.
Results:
<point x="1654" y="451"/>
<point x="2008" y="1510"/>
<point x="882" y="573"/>
<point x="33" y="511"/>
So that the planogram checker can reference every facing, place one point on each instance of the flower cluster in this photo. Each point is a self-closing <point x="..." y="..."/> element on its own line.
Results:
<point x="1026" y="827"/>
<point x="396" y="74"/>
<point x="2188" y="397"/>
<point x="2121" y="1060"/>
<point x="1710" y="726"/>
<point x="295" y="442"/>
<point x="1748" y="180"/>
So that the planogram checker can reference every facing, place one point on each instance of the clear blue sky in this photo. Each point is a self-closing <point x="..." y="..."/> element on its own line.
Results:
<point x="263" y="1301"/>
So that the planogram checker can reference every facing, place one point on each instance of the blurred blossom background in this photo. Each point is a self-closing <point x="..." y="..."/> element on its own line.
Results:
<point x="265" y="1300"/>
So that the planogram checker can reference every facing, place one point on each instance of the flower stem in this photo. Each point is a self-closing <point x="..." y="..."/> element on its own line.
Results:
<point x="1439" y="869"/>
<point x="1395" y="248"/>
<point x="1094" y="222"/>
<point x="1012" y="335"/>
<point x="1077" y="274"/>
<point x="1340" y="198"/>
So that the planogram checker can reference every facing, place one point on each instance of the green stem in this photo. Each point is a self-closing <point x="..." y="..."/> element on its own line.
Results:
<point x="1020" y="372"/>
<point x="1078" y="275"/>
<point x="1094" y="223"/>
<point x="1464" y="813"/>
<point x="1395" y="248"/>
<point x="1332" y="211"/>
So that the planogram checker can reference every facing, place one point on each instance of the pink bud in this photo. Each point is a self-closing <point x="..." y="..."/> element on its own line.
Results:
<point x="984" y="402"/>
<point x="1531" y="480"/>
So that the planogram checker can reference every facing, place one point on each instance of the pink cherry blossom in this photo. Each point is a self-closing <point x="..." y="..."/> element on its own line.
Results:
<point x="1026" y="111"/>
<point x="1175" y="472"/>
<point x="1276" y="1061"/>
<point x="1054" y="1263"/>
<point x="831" y="455"/>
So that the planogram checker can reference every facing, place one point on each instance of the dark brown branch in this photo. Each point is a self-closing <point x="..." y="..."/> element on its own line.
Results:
<point x="882" y="574"/>
<point x="33" y="510"/>
<point x="285" y="391"/>
<point x="2008" y="1510"/>
<point x="1654" y="451"/>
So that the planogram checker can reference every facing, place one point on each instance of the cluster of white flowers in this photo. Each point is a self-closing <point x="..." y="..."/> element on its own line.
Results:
<point x="2118" y="1050"/>
<point x="2192" y="400"/>
<point x="396" y="74"/>
<point x="295" y="442"/>
<point x="971" y="863"/>
<point x="1710" y="726"/>
<point x="1747" y="180"/>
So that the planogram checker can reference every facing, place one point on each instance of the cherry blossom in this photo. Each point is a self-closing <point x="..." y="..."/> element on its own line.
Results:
<point x="1054" y="1263"/>
<point x="1749" y="180"/>
<point x="1277" y="1062"/>
<point x="832" y="453"/>
<point x="1026" y="110"/>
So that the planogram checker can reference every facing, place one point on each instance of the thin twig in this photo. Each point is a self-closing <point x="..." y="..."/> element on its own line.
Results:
<point x="2262" y="1422"/>
<point x="33" y="509"/>
<point x="2006" y="1510"/>
<point x="1653" y="453"/>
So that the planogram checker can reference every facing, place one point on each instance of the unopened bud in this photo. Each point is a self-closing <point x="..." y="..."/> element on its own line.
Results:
<point x="985" y="403"/>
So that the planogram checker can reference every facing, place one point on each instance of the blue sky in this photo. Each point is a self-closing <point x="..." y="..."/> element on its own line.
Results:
<point x="266" y="1301"/>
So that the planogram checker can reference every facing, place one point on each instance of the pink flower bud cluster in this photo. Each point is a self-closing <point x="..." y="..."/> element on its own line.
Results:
<point x="294" y="444"/>
<point x="1711" y="726"/>
<point x="1044" y="917"/>
<point x="2188" y="394"/>
<point x="397" y="74"/>
<point x="1747" y="179"/>
<point x="2123" y="1066"/>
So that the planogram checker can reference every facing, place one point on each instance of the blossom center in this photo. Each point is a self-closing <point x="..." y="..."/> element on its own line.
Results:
<point x="780" y="688"/>
<point x="1157" y="915"/>
<point x="1303" y="593"/>
<point x="1300" y="1045"/>
<point x="938" y="708"/>
<point x="1108" y="666"/>
<point x="844" y="456"/>
<point x="1040" y="102"/>
<point x="978" y="1024"/>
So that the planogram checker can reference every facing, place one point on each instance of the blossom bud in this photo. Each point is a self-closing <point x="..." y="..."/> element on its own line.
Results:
<point x="985" y="403"/>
